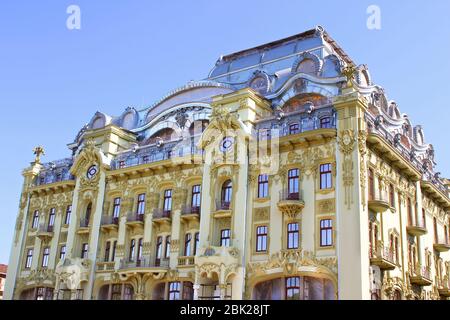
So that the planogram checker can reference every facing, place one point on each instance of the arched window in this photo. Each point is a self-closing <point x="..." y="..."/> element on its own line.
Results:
<point x="227" y="190"/>
<point x="307" y="66"/>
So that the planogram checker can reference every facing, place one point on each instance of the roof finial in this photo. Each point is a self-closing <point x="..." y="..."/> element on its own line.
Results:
<point x="38" y="151"/>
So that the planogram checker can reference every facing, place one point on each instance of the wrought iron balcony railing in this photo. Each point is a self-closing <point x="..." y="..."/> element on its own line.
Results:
<point x="45" y="229"/>
<point x="109" y="220"/>
<point x="159" y="213"/>
<point x="153" y="153"/>
<point x="223" y="205"/>
<point x="135" y="217"/>
<point x="144" y="263"/>
<point x="84" y="223"/>
<point x="288" y="195"/>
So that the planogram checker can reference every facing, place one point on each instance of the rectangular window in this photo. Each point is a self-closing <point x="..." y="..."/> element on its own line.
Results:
<point x="62" y="252"/>
<point x="293" y="176"/>
<point x="371" y="185"/>
<point x="293" y="288"/>
<point x="51" y="219"/>
<point x="113" y="256"/>
<point x="116" y="207"/>
<point x="174" y="290"/>
<point x="391" y="195"/>
<point x="45" y="255"/>
<point x="68" y="213"/>
<point x="325" y="123"/>
<point x="140" y="247"/>
<point x="424" y="219"/>
<point x="84" y="250"/>
<point x="292" y="236"/>
<point x="107" y="251"/>
<point x="325" y="176"/>
<point x="35" y="222"/>
<point x="167" y="253"/>
<point x="197" y="242"/>
<point x="263" y="186"/>
<point x="132" y="248"/>
<point x="159" y="241"/>
<point x="187" y="244"/>
<point x="29" y="259"/>
<point x="167" y="200"/>
<point x="294" y="128"/>
<point x="261" y="239"/>
<point x="409" y="210"/>
<point x="326" y="233"/>
<point x="196" y="196"/>
<point x="225" y="238"/>
<point x="141" y="204"/>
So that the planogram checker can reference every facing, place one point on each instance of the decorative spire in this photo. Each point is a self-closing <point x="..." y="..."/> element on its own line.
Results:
<point x="38" y="151"/>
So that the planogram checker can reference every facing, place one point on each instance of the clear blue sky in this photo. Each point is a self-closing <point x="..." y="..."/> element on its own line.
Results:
<point x="130" y="53"/>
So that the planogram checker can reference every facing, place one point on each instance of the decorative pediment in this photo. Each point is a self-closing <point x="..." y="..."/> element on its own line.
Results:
<point x="222" y="123"/>
<point x="89" y="155"/>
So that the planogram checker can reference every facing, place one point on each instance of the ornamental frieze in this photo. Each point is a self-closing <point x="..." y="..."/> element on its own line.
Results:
<point x="290" y="261"/>
<point x="326" y="206"/>
<point x="261" y="214"/>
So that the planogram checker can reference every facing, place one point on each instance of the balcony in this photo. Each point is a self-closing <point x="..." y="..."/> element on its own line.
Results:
<point x="441" y="244"/>
<point x="144" y="265"/>
<point x="45" y="232"/>
<point x="291" y="203"/>
<point x="105" y="266"/>
<point x="419" y="275"/>
<point x="161" y="216"/>
<point x="186" y="261"/>
<point x="379" y="202"/>
<point x="84" y="226"/>
<point x="417" y="228"/>
<point x="444" y="287"/>
<point x="382" y="256"/>
<point x="223" y="209"/>
<point x="135" y="220"/>
<point x="109" y="223"/>
<point x="190" y="213"/>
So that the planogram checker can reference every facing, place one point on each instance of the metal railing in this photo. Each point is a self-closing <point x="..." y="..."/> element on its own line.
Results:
<point x="144" y="263"/>
<point x="135" y="217"/>
<point x="223" y="205"/>
<point x="153" y="153"/>
<point x="161" y="213"/>
<point x="374" y="126"/>
<point x="109" y="220"/>
<point x="287" y="194"/>
<point x="45" y="229"/>
<point x="190" y="210"/>
<point x="84" y="223"/>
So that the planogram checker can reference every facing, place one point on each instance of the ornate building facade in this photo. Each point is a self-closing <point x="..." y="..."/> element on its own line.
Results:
<point x="285" y="174"/>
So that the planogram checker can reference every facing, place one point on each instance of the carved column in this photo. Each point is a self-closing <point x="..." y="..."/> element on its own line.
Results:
<point x="352" y="217"/>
